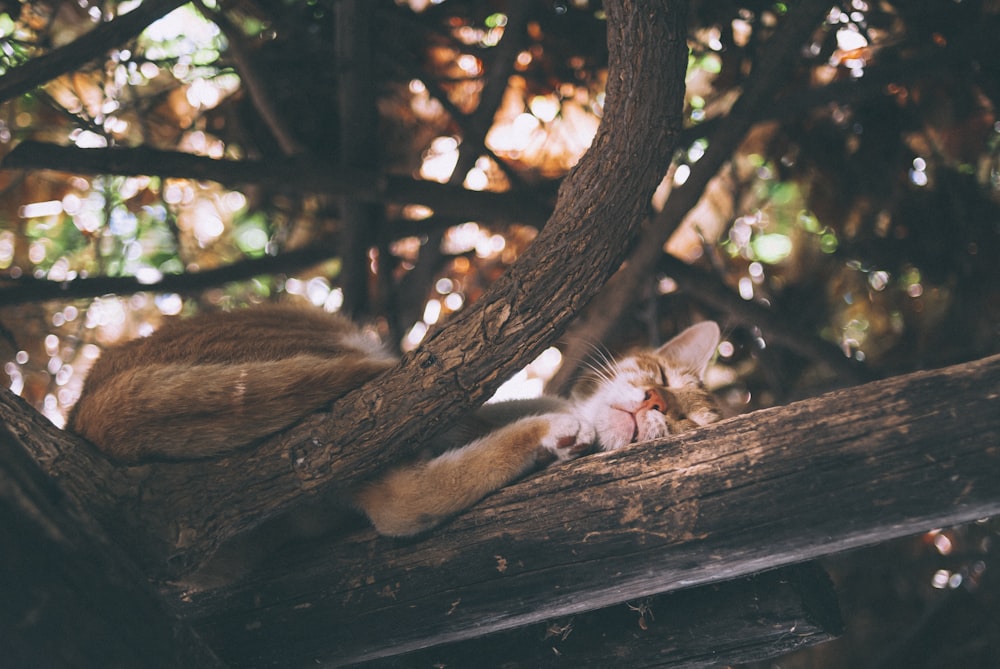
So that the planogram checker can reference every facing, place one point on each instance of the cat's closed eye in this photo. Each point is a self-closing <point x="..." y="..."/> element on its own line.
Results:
<point x="215" y="383"/>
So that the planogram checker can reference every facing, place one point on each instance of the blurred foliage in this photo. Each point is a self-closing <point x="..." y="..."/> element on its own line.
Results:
<point x="863" y="208"/>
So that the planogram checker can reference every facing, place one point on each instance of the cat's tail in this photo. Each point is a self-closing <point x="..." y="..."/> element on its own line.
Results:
<point x="194" y="411"/>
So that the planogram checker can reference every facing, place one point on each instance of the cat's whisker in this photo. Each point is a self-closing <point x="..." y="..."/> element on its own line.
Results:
<point x="218" y="381"/>
<point x="600" y="372"/>
<point x="600" y="362"/>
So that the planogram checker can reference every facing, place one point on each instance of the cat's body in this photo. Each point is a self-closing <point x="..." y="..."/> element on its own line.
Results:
<point x="218" y="382"/>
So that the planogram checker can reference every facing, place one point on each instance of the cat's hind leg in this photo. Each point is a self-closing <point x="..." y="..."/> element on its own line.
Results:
<point x="414" y="498"/>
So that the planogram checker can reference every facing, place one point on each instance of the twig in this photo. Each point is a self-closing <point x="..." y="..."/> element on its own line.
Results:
<point x="295" y="174"/>
<point x="42" y="69"/>
<point x="499" y="69"/>
<point x="289" y="144"/>
<point x="30" y="289"/>
<point x="708" y="289"/>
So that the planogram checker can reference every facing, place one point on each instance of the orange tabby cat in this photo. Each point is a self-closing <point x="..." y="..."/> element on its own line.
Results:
<point x="217" y="382"/>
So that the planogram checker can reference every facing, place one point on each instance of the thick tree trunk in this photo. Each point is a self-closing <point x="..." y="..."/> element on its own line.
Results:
<point x="772" y="488"/>
<point x="70" y="597"/>
<point x="755" y="492"/>
<point x="63" y="581"/>
<point x="183" y="511"/>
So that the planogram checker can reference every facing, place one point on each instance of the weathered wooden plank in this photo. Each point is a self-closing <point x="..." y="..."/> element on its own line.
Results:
<point x="779" y="486"/>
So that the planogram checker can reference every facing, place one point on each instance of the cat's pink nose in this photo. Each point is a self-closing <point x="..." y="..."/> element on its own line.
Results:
<point x="655" y="399"/>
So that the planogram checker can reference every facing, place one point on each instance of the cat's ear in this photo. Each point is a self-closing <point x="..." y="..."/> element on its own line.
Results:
<point x="693" y="348"/>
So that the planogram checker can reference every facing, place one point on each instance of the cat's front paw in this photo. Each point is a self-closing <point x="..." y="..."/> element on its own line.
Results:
<point x="568" y="437"/>
<point x="704" y="416"/>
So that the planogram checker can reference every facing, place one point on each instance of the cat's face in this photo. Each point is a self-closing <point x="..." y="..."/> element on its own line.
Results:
<point x="652" y="394"/>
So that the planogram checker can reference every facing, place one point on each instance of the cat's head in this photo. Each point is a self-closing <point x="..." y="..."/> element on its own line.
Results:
<point x="651" y="394"/>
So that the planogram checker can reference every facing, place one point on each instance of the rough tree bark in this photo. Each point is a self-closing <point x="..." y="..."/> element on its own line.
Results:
<point x="769" y="74"/>
<point x="64" y="579"/>
<point x="740" y="621"/>
<point x="777" y="487"/>
<point x="70" y="596"/>
<point x="756" y="492"/>
<point x="653" y="519"/>
<point x="185" y="510"/>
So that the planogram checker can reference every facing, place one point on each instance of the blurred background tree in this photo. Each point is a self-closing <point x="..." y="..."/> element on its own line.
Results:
<point x="391" y="159"/>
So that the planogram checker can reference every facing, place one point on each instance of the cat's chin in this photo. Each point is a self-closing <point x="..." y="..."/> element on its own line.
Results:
<point x="617" y="430"/>
<point x="651" y="425"/>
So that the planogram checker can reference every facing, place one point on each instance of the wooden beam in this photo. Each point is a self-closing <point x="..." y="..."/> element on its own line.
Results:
<point x="776" y="487"/>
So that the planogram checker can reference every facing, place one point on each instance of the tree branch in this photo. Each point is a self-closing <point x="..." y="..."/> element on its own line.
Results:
<point x="252" y="81"/>
<point x="29" y="289"/>
<point x="739" y="621"/>
<point x="498" y="71"/>
<point x="57" y="62"/>
<point x="298" y="175"/>
<point x="71" y="597"/>
<point x="776" y="487"/>
<point x="458" y="366"/>
<point x="769" y="75"/>
<point x="359" y="149"/>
